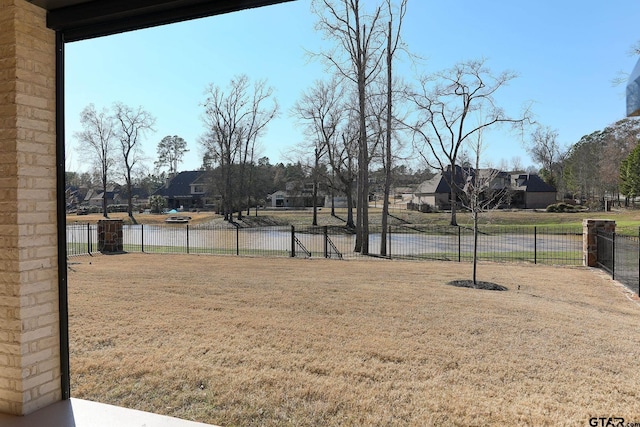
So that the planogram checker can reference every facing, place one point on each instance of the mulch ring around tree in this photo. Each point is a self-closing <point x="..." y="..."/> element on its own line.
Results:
<point x="487" y="286"/>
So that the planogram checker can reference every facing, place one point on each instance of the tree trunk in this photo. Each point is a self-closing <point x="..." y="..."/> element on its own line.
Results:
<point x="228" y="209"/>
<point x="358" y="247"/>
<point x="363" y="205"/>
<point x="104" y="198"/>
<point x="454" y="195"/>
<point x="333" y="202"/>
<point x="104" y="193"/>
<point x="315" y="205"/>
<point x="362" y="219"/>
<point x="387" y="175"/>
<point x="350" y="223"/>
<point x="475" y="246"/>
<point x="129" y="196"/>
<point x="315" y="189"/>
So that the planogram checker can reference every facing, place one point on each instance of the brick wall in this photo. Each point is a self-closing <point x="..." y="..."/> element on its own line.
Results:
<point x="29" y="332"/>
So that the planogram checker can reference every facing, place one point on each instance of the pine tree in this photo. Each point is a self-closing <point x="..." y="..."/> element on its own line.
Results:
<point x="630" y="174"/>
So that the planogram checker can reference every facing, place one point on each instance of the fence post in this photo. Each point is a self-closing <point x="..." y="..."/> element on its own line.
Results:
<point x="293" y="241"/>
<point x="237" y="240"/>
<point x="535" y="244"/>
<point x="459" y="245"/>
<point x="89" y="238"/>
<point x="142" y="237"/>
<point x="613" y="256"/>
<point x="389" y="241"/>
<point x="187" y="238"/>
<point x="325" y="229"/>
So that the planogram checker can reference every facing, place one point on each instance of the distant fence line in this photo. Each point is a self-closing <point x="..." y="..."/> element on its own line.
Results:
<point x="535" y="244"/>
<point x="554" y="245"/>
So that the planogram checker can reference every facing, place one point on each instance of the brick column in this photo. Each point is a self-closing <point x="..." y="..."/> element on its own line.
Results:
<point x="110" y="238"/>
<point x="29" y="315"/>
<point x="589" y="242"/>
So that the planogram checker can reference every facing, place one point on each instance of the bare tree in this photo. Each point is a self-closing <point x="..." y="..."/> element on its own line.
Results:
<point x="484" y="189"/>
<point x="516" y="163"/>
<point x="132" y="127"/>
<point x="321" y="111"/>
<point x="342" y="154"/>
<point x="97" y="140"/>
<point x="357" y="55"/>
<point x="171" y="150"/>
<point x="443" y="104"/>
<point x="235" y="119"/>
<point x="622" y="77"/>
<point x="393" y="42"/>
<point x="545" y="150"/>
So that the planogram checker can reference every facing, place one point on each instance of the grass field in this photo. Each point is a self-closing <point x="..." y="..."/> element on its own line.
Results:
<point x="292" y="342"/>
<point x="628" y="220"/>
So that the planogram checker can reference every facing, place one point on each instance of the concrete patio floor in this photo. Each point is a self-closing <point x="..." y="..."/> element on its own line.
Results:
<point x="83" y="413"/>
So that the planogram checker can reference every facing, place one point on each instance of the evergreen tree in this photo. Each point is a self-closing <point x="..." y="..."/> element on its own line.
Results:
<point x="630" y="174"/>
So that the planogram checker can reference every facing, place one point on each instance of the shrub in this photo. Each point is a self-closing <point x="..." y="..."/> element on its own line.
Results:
<point x="426" y="208"/>
<point x="564" y="207"/>
<point x="157" y="203"/>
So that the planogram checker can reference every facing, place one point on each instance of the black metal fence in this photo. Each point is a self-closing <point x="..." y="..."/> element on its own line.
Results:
<point x="619" y="255"/>
<point x="545" y="245"/>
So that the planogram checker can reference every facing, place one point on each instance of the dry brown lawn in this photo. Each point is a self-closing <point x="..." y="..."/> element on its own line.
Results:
<point x="277" y="342"/>
<point x="196" y="217"/>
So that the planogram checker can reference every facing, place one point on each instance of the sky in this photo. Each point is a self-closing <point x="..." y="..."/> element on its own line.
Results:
<point x="566" y="54"/>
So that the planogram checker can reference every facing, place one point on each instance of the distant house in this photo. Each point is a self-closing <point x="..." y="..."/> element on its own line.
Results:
<point x="186" y="190"/>
<point x="295" y="195"/>
<point x="436" y="192"/>
<point x="529" y="191"/>
<point x="281" y="199"/>
<point x="94" y="197"/>
<point x="74" y="196"/>
<point x="521" y="190"/>
<point x="139" y="196"/>
<point x="116" y="195"/>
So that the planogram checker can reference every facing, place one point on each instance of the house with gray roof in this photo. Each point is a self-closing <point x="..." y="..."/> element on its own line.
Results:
<point x="186" y="190"/>
<point x="436" y="192"/>
<point x="297" y="194"/>
<point x="529" y="191"/>
<point x="520" y="190"/>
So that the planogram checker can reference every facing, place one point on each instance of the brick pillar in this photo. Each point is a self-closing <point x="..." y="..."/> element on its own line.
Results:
<point x="29" y="315"/>
<point x="110" y="235"/>
<point x="589" y="242"/>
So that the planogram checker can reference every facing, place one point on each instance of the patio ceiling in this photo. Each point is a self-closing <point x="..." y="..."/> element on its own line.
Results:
<point x="83" y="19"/>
